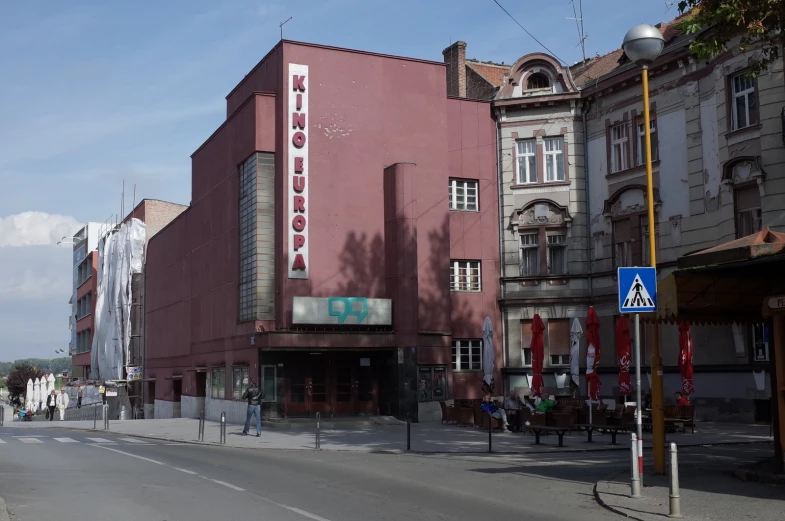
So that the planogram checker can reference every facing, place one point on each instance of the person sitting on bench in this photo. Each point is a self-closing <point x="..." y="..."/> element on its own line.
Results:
<point x="490" y="407"/>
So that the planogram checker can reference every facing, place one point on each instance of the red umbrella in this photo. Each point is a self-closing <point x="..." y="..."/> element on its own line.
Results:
<point x="685" y="359"/>
<point x="623" y="354"/>
<point x="538" y="353"/>
<point x="593" y="383"/>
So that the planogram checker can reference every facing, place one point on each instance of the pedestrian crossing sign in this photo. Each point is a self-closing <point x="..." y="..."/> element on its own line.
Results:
<point x="637" y="290"/>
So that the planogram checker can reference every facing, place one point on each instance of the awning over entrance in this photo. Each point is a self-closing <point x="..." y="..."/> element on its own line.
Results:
<point x="724" y="284"/>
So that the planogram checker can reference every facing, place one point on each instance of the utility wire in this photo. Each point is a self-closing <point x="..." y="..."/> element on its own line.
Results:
<point x="527" y="32"/>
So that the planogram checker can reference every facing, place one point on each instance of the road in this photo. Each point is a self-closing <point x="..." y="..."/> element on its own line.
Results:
<point x="75" y="475"/>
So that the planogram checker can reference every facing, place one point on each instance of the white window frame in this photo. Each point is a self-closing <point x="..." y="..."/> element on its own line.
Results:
<point x="467" y="347"/>
<point x="217" y="392"/>
<point x="245" y="381"/>
<point x="618" y="137"/>
<point x="526" y="159"/>
<point x="553" y="157"/>
<point x="655" y="153"/>
<point x="462" y="202"/>
<point x="560" y="360"/>
<point x="471" y="270"/>
<point x="747" y="92"/>
<point x="552" y="243"/>
<point x="530" y="240"/>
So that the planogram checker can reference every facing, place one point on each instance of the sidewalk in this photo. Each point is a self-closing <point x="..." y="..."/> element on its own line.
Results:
<point x="709" y="492"/>
<point x="425" y="437"/>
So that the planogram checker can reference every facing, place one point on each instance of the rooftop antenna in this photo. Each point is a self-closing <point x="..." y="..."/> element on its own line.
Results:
<point x="282" y="24"/>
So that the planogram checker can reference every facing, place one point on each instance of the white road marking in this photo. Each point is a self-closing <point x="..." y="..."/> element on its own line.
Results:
<point x="30" y="436"/>
<point x="132" y="455"/>
<point x="100" y="440"/>
<point x="184" y="470"/>
<point x="224" y="483"/>
<point x="30" y="440"/>
<point x="66" y="440"/>
<point x="135" y="441"/>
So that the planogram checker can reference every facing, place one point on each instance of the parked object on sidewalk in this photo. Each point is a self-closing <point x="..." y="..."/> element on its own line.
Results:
<point x="674" y="498"/>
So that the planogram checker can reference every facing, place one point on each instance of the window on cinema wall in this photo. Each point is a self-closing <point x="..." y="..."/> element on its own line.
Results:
<point x="239" y="382"/>
<point x="431" y="383"/>
<point x="218" y="383"/>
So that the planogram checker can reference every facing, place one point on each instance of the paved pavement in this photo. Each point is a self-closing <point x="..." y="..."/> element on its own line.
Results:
<point x="425" y="437"/>
<point x="107" y="476"/>
<point x="708" y="489"/>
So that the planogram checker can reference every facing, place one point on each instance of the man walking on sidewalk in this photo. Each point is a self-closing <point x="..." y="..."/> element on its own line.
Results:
<point x="254" y="395"/>
<point x="62" y="403"/>
<point x="51" y="402"/>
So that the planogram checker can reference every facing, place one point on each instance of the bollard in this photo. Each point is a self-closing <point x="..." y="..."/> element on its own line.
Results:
<point x="318" y="431"/>
<point x="201" y="426"/>
<point x="106" y="417"/>
<point x="122" y="412"/>
<point x="95" y="416"/>
<point x="2" y="415"/>
<point x="674" y="500"/>
<point x="490" y="432"/>
<point x="408" y="435"/>
<point x="223" y="428"/>
<point x="635" y="485"/>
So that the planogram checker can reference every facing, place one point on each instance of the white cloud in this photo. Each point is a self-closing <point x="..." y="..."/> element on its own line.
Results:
<point x="36" y="229"/>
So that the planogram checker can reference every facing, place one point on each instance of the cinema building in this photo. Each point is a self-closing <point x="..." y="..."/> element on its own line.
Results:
<point x="341" y="246"/>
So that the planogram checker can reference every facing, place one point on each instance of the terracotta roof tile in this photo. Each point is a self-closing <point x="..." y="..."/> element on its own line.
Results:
<point x="493" y="73"/>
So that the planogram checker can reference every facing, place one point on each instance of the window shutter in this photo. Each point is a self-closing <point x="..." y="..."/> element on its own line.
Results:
<point x="621" y="231"/>
<point x="559" y="336"/>
<point x="747" y="198"/>
<point x="526" y="333"/>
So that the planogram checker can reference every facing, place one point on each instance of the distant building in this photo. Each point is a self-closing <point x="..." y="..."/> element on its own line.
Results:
<point x="83" y="295"/>
<point x="471" y="79"/>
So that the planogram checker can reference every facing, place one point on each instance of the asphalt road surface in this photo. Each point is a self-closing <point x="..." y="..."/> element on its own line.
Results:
<point x="73" y="475"/>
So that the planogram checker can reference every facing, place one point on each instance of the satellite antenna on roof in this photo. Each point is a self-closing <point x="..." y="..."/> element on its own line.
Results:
<point x="282" y="24"/>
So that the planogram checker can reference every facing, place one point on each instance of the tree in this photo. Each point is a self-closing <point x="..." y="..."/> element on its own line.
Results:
<point x="17" y="381"/>
<point x="716" y="22"/>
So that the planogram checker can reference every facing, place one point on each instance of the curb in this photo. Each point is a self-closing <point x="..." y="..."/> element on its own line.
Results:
<point x="759" y="477"/>
<point x="606" y="506"/>
<point x="3" y="511"/>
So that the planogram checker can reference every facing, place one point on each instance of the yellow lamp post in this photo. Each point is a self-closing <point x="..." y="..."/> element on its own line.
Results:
<point x="643" y="44"/>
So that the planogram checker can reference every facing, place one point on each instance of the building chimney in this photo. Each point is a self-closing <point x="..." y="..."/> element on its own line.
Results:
<point x="455" y="58"/>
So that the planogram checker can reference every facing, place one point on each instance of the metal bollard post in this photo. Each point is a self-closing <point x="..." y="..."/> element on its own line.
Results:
<point x="201" y="426"/>
<point x="318" y="431"/>
<point x="2" y="415"/>
<point x="408" y="435"/>
<point x="635" y="486"/>
<point x="106" y="417"/>
<point x="674" y="499"/>
<point x="223" y="427"/>
<point x="490" y="431"/>
<point x="95" y="416"/>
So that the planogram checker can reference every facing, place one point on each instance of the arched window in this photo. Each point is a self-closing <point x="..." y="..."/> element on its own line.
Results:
<point x="538" y="80"/>
<point x="542" y="227"/>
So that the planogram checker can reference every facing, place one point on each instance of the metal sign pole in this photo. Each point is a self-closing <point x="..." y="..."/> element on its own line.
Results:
<point x="638" y="402"/>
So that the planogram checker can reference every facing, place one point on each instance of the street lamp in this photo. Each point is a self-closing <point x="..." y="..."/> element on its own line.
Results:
<point x="643" y="44"/>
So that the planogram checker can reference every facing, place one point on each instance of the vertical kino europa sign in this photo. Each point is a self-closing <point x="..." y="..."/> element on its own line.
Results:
<point x="298" y="171"/>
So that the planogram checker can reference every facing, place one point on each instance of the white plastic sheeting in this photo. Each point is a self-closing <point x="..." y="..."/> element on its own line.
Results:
<point x="120" y="255"/>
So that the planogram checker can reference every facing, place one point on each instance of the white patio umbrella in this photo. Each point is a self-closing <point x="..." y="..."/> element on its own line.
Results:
<point x="51" y="380"/>
<point x="575" y="351"/>
<point x="488" y="354"/>
<point x="36" y="394"/>
<point x="29" y="394"/>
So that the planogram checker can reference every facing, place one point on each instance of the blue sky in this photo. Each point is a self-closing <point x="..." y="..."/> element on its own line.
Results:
<point x="93" y="93"/>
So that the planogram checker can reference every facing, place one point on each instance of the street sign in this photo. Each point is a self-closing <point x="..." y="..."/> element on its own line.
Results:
<point x="637" y="290"/>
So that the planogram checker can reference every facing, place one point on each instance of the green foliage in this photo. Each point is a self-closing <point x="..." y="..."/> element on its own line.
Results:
<point x="17" y="381"/>
<point x="716" y="22"/>
<point x="53" y="365"/>
<point x="3" y="383"/>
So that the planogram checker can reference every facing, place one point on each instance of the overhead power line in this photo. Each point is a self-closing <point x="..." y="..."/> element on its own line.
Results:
<point x="527" y="32"/>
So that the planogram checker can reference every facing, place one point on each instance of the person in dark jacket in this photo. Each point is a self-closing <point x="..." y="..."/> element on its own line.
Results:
<point x="254" y="395"/>
<point x="51" y="403"/>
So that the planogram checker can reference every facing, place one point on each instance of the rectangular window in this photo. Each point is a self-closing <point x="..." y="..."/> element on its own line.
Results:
<point x="557" y="254"/>
<point x="655" y="152"/>
<point x="743" y="106"/>
<point x="526" y="338"/>
<point x="239" y="382"/>
<point x="759" y="335"/>
<point x="465" y="275"/>
<point x="527" y="161"/>
<point x="554" y="159"/>
<point x="530" y="254"/>
<point x="467" y="355"/>
<point x="218" y="383"/>
<point x="559" y="341"/>
<point x="619" y="148"/>
<point x="269" y="383"/>
<point x="748" y="211"/>
<point x="622" y="243"/>
<point x="463" y="195"/>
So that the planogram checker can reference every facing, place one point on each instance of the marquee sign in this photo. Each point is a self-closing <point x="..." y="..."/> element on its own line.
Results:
<point x="342" y="311"/>
<point x="298" y="171"/>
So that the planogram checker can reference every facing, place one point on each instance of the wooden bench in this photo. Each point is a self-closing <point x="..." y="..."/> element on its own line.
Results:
<point x="680" y="416"/>
<point x="537" y="430"/>
<point x="613" y="430"/>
